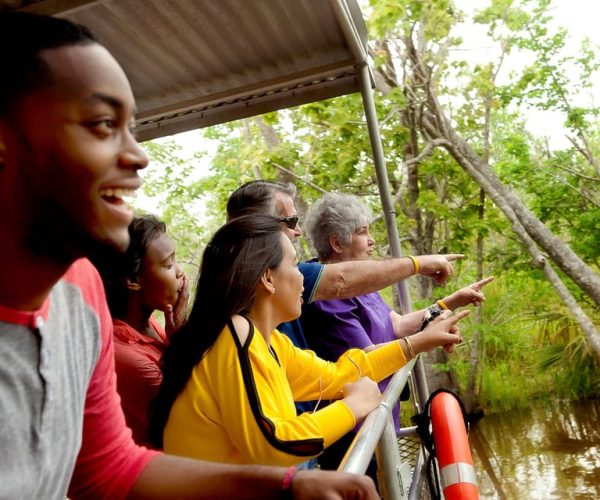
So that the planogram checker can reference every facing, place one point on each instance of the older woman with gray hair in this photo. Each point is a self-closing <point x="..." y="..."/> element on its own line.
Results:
<point x="338" y="226"/>
<point x="331" y="224"/>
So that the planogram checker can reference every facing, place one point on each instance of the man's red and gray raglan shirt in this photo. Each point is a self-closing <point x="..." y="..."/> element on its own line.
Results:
<point x="62" y="429"/>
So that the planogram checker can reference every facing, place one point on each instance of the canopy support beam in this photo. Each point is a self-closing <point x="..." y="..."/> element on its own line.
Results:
<point x="389" y="212"/>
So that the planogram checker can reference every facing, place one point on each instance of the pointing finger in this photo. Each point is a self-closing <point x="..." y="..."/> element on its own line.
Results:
<point x="453" y="256"/>
<point x="485" y="281"/>
<point x="457" y="317"/>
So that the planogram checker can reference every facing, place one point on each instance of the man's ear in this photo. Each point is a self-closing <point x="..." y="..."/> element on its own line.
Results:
<point x="133" y="285"/>
<point x="266" y="280"/>
<point x="335" y="243"/>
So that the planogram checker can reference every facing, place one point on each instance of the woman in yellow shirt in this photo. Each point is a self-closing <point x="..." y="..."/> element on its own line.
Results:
<point x="230" y="378"/>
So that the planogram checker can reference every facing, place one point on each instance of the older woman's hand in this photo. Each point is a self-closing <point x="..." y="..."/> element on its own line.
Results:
<point x="471" y="294"/>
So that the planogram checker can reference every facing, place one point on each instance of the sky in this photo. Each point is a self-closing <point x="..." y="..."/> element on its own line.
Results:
<point x="580" y="17"/>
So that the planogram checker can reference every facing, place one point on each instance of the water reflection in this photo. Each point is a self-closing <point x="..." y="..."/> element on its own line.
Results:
<point x="551" y="451"/>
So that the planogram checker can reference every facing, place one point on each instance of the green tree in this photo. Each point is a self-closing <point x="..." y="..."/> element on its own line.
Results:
<point x="466" y="174"/>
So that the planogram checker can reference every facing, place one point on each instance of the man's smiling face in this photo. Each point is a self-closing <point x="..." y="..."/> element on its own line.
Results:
<point x="71" y="156"/>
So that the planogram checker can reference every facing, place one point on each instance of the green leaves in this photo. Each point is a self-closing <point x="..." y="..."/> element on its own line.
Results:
<point x="324" y="146"/>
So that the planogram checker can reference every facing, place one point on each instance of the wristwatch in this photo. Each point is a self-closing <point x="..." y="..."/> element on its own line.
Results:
<point x="431" y="313"/>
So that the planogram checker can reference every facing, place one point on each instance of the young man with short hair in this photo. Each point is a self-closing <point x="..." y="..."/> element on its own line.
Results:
<point x="67" y="159"/>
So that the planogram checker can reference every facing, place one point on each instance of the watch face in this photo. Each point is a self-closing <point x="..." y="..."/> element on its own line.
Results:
<point x="431" y="313"/>
<point x="435" y="313"/>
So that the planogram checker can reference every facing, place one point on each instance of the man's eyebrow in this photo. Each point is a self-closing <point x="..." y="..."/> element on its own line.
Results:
<point x="113" y="102"/>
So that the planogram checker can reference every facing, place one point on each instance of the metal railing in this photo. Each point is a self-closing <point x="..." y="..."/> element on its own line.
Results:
<point x="378" y="436"/>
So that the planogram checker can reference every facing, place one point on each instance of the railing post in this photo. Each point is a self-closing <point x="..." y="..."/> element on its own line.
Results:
<point x="358" y="456"/>
<point x="389" y="211"/>
<point x="390" y="479"/>
<point x="355" y="458"/>
<point x="416" y="484"/>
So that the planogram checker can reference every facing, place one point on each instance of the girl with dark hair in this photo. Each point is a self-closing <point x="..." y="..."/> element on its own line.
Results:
<point x="231" y="379"/>
<point x="145" y="279"/>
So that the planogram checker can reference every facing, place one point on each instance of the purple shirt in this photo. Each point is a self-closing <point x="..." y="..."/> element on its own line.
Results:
<point x="331" y="327"/>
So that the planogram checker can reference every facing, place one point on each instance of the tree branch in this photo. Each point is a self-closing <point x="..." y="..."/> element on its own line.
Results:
<point x="585" y="151"/>
<point x="583" y="195"/>
<point x="435" y="143"/>
<point x="298" y="177"/>
<point x="577" y="174"/>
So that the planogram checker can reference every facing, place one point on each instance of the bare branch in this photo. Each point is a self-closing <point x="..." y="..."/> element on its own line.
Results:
<point x="585" y="151"/>
<point x="435" y="143"/>
<point x="296" y="176"/>
<point x="394" y="111"/>
<point x="577" y="174"/>
<point x="583" y="195"/>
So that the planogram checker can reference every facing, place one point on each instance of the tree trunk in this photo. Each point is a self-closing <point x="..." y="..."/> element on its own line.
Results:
<point x="436" y="125"/>
<point x="560" y="253"/>
<point x="506" y="204"/>
<point x="273" y="141"/>
<point x="248" y="135"/>
<point x="475" y="358"/>
<point x="539" y="260"/>
<point x="472" y="391"/>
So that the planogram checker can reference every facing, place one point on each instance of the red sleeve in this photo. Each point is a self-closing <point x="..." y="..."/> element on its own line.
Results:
<point x="138" y="380"/>
<point x="109" y="462"/>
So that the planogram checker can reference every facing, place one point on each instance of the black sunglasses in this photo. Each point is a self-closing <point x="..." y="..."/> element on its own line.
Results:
<point x="290" y="222"/>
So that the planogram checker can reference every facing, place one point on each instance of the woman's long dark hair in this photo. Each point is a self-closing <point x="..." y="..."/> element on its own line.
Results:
<point x="233" y="263"/>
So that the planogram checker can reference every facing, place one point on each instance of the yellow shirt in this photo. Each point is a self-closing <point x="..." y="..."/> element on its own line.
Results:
<point x="238" y="406"/>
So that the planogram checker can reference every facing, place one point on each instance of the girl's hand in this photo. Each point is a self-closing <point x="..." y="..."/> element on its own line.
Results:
<point x="362" y="397"/>
<point x="443" y="331"/>
<point x="176" y="315"/>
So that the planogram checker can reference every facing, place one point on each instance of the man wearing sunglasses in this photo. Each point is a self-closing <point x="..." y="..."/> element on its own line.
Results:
<point x="291" y="222"/>
<point x="332" y="281"/>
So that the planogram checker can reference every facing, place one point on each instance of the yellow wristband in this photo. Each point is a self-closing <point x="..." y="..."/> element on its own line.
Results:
<point x="415" y="262"/>
<point x="442" y="304"/>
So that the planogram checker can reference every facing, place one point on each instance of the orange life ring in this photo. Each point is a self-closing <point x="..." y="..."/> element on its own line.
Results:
<point x="455" y="462"/>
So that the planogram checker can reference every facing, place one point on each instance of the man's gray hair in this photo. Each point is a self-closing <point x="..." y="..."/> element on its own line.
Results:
<point x="338" y="214"/>
<point x="257" y="197"/>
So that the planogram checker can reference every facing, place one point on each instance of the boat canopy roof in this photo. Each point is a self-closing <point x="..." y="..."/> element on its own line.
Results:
<point x="196" y="63"/>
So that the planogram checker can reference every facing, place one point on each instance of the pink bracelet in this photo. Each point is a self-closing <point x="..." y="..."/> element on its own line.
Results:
<point x="286" y="484"/>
